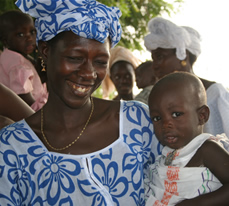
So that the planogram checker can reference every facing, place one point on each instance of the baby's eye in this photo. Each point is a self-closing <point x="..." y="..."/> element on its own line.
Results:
<point x="20" y="34"/>
<point x="33" y="31"/>
<point x="176" y="114"/>
<point x="156" y="118"/>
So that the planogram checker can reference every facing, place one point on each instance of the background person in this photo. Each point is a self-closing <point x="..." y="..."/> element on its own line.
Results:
<point x="18" y="35"/>
<point x="121" y="74"/>
<point x="77" y="149"/>
<point x="176" y="48"/>
<point x="145" y="80"/>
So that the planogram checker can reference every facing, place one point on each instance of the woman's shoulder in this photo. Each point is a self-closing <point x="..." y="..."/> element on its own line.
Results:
<point x="207" y="83"/>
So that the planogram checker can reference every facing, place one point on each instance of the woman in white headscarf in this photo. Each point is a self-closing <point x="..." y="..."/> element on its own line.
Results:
<point x="176" y="48"/>
<point x="77" y="150"/>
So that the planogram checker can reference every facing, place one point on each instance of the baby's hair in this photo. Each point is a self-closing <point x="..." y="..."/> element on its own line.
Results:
<point x="9" y="19"/>
<point x="192" y="81"/>
<point x="146" y="65"/>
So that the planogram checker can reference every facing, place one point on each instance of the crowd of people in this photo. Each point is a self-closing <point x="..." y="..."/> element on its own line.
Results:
<point x="61" y="145"/>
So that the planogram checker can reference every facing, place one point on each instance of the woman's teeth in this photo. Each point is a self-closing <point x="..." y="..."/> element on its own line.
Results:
<point x="80" y="89"/>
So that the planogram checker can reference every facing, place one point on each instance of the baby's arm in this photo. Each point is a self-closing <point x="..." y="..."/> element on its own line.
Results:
<point x="216" y="159"/>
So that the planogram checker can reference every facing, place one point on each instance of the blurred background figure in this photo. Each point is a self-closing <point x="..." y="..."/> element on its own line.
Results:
<point x="17" y="67"/>
<point x="12" y="107"/>
<point x="121" y="74"/>
<point x="176" y="48"/>
<point x="145" y="80"/>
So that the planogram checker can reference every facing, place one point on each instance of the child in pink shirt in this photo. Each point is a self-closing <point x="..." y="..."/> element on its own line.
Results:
<point x="18" y="35"/>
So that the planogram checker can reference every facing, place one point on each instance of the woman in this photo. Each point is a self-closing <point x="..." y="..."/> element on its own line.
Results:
<point x="176" y="48"/>
<point x="77" y="150"/>
<point x="121" y="75"/>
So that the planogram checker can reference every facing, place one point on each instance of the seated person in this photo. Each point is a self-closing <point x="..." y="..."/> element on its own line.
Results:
<point x="145" y="80"/>
<point x="192" y="163"/>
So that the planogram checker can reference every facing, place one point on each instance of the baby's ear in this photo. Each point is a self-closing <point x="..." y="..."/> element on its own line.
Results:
<point x="203" y="114"/>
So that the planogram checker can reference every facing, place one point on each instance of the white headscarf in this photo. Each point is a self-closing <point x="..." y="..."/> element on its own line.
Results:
<point x="167" y="35"/>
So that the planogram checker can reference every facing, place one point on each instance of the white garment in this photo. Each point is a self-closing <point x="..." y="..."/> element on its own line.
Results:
<point x="168" y="185"/>
<point x="32" y="175"/>
<point x="218" y="102"/>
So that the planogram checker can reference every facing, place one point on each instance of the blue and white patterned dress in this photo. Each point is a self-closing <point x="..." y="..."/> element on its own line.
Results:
<point x="31" y="175"/>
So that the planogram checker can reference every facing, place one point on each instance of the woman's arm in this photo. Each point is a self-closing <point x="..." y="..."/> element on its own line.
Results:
<point x="216" y="159"/>
<point x="12" y="106"/>
<point x="27" y="98"/>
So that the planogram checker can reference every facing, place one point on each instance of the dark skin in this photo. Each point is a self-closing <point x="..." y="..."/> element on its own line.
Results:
<point x="145" y="75"/>
<point x="176" y="112"/>
<point x="123" y="77"/>
<point x="20" y="36"/>
<point x="166" y="62"/>
<point x="12" y="107"/>
<point x="75" y="69"/>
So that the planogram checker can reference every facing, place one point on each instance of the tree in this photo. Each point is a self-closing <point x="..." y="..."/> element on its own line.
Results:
<point x="135" y="16"/>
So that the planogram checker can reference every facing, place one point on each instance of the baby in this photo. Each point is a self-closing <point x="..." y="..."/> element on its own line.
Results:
<point x="145" y="80"/>
<point x="18" y="73"/>
<point x="192" y="163"/>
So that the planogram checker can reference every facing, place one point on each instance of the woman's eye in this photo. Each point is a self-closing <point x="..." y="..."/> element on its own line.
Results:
<point x="156" y="119"/>
<point x="103" y="63"/>
<point x="76" y="59"/>
<point x="116" y="77"/>
<point x="127" y="76"/>
<point x="176" y="114"/>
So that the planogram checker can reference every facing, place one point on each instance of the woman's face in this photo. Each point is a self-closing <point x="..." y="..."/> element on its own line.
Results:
<point x="123" y="77"/>
<point x="76" y="67"/>
<point x="165" y="62"/>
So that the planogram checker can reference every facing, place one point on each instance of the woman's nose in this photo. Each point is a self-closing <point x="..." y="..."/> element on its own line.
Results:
<point x="88" y="71"/>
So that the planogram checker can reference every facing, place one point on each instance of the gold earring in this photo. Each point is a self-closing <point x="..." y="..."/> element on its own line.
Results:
<point x="43" y="66"/>
<point x="183" y="63"/>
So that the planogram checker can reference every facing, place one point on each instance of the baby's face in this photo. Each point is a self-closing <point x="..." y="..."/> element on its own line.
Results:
<point x="22" y="38"/>
<point x="174" y="115"/>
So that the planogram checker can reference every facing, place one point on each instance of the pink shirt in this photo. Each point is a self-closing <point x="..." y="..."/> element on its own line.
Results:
<point x="19" y="74"/>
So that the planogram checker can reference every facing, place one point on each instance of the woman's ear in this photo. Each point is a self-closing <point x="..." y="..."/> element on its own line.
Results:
<point x="203" y="114"/>
<point x="43" y="49"/>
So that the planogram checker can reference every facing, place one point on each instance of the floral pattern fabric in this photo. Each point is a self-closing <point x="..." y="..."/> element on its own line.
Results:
<point x="86" y="18"/>
<point x="31" y="175"/>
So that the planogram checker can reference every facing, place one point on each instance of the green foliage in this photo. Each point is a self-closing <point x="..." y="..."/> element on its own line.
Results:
<point x="135" y="16"/>
<point x="6" y="5"/>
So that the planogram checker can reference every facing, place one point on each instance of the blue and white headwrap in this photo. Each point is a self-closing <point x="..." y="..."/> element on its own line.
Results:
<point x="86" y="18"/>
